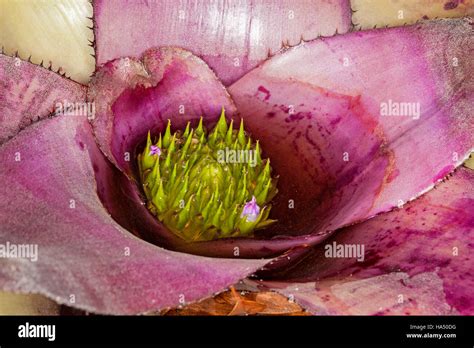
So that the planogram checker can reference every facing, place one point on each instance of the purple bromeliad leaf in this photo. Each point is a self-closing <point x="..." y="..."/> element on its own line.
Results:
<point x="360" y="123"/>
<point x="29" y="93"/>
<point x="414" y="260"/>
<point x="232" y="36"/>
<point x="133" y="97"/>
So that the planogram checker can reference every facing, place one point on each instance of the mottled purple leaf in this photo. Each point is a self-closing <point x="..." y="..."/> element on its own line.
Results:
<point x="317" y="109"/>
<point x="416" y="260"/>
<point x="29" y="92"/>
<point x="232" y="36"/>
<point x="85" y="259"/>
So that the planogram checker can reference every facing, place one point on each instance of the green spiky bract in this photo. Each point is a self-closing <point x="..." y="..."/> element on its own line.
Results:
<point x="197" y="186"/>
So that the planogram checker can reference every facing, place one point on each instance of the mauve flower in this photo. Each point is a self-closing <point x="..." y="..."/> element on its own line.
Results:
<point x="251" y="210"/>
<point x="154" y="150"/>
<point x="70" y="184"/>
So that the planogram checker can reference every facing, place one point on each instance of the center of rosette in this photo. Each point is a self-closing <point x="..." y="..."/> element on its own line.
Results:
<point x="205" y="186"/>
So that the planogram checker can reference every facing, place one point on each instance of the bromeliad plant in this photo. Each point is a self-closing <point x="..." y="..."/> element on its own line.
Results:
<point x="179" y="226"/>
<point x="197" y="191"/>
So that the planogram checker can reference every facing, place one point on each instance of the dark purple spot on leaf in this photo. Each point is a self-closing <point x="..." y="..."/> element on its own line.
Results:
<point x="450" y="5"/>
<point x="265" y="91"/>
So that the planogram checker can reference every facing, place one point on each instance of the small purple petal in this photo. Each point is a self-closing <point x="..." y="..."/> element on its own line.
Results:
<point x="154" y="150"/>
<point x="251" y="210"/>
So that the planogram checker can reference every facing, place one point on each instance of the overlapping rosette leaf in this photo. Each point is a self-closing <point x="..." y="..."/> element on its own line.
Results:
<point x="232" y="36"/>
<point x="30" y="93"/>
<point x="318" y="109"/>
<point x="315" y="109"/>
<point x="417" y="260"/>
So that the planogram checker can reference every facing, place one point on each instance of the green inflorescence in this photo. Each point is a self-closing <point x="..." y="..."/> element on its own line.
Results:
<point x="205" y="186"/>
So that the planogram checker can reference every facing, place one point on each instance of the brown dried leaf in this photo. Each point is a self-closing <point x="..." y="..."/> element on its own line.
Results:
<point x="232" y="302"/>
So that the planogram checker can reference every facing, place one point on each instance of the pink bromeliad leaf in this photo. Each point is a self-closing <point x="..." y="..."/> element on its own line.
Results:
<point x="29" y="93"/>
<point x="232" y="36"/>
<point x="318" y="110"/>
<point x="134" y="96"/>
<point x="416" y="260"/>
<point x="49" y="199"/>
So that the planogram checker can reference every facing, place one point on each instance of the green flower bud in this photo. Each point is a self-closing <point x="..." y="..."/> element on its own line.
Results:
<point x="204" y="186"/>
